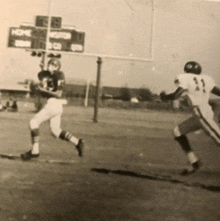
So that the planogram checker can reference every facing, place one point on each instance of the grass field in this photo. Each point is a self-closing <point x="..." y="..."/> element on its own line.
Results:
<point x="130" y="170"/>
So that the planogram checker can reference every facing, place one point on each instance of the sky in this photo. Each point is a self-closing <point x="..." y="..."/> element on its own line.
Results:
<point x="175" y="32"/>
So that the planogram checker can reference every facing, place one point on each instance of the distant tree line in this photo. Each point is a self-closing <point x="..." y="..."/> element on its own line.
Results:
<point x="117" y="93"/>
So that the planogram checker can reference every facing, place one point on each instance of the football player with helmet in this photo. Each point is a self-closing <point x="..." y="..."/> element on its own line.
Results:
<point x="50" y="87"/>
<point x="197" y="88"/>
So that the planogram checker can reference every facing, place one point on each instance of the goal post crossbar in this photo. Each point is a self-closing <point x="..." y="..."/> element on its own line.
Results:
<point x="93" y="55"/>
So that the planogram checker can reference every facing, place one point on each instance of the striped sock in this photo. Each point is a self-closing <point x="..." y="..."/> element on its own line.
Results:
<point x="35" y="141"/>
<point x="65" y="135"/>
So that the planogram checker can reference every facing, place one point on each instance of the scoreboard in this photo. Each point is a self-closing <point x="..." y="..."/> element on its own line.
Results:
<point x="34" y="37"/>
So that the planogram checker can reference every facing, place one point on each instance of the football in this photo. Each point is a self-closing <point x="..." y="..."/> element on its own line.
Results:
<point x="34" y="87"/>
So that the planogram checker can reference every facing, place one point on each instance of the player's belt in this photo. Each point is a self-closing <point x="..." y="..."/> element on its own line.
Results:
<point x="60" y="100"/>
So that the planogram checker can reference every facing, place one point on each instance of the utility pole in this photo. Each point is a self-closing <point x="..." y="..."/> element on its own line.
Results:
<point x="87" y="93"/>
<point x="97" y="94"/>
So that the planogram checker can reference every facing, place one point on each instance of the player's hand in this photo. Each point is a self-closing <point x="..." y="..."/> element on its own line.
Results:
<point x="163" y="96"/>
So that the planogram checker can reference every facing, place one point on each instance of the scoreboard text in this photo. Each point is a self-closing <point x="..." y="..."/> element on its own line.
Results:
<point x="31" y="37"/>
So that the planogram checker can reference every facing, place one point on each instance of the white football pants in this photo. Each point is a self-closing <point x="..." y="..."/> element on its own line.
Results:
<point x="203" y="118"/>
<point x="51" y="111"/>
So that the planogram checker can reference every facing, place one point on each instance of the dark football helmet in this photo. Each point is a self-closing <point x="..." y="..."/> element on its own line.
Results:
<point x="193" y="67"/>
<point x="55" y="62"/>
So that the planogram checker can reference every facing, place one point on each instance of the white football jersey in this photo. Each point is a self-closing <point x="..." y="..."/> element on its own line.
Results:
<point x="198" y="87"/>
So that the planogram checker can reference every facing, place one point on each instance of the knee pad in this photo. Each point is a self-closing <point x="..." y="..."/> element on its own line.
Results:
<point x="34" y="124"/>
<point x="56" y="131"/>
<point x="176" y="132"/>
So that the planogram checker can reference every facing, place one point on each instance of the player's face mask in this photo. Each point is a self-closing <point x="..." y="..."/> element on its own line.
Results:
<point x="52" y="68"/>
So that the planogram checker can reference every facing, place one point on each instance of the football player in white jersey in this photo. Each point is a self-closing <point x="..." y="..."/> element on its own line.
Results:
<point x="197" y="88"/>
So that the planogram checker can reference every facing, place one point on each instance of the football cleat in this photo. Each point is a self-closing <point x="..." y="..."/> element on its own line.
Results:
<point x="80" y="147"/>
<point x="28" y="155"/>
<point x="192" y="168"/>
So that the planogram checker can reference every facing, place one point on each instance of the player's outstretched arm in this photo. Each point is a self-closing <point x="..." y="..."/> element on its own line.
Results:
<point x="216" y="91"/>
<point x="173" y="96"/>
